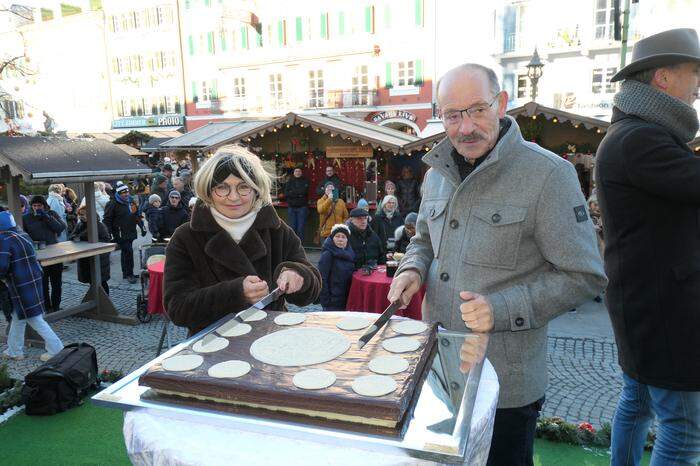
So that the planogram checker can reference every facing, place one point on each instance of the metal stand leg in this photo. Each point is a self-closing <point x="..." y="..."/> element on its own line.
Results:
<point x="166" y="323"/>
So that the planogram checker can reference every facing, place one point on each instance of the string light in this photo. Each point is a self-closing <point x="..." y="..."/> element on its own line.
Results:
<point x="317" y="130"/>
<point x="598" y="131"/>
<point x="287" y="125"/>
<point x="554" y="120"/>
<point x="534" y="117"/>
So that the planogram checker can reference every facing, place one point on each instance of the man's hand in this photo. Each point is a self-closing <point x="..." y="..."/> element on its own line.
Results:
<point x="472" y="351"/>
<point x="403" y="287"/>
<point x="477" y="313"/>
<point x="254" y="288"/>
<point x="290" y="281"/>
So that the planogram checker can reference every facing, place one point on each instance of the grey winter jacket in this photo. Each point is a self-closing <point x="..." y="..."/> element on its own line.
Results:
<point x="516" y="230"/>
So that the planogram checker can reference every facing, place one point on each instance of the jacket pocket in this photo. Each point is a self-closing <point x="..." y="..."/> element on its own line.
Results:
<point x="493" y="235"/>
<point x="434" y="211"/>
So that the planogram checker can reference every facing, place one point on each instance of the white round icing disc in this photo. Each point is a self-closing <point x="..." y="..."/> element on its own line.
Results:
<point x="314" y="379"/>
<point x="185" y="362"/>
<point x="290" y="318"/>
<point x="216" y="344"/>
<point x="256" y="316"/>
<point x="233" y="328"/>
<point x="409" y="327"/>
<point x="374" y="385"/>
<point x="353" y="323"/>
<point x="388" y="365"/>
<point x="400" y="344"/>
<point x="229" y="369"/>
<point x="302" y="346"/>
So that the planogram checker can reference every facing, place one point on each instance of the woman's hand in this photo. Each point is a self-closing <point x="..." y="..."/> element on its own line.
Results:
<point x="290" y="281"/>
<point x="254" y="288"/>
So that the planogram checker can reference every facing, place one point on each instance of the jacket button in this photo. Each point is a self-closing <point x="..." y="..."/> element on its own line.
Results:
<point x="444" y="276"/>
<point x="454" y="224"/>
<point x="495" y="218"/>
<point x="519" y="321"/>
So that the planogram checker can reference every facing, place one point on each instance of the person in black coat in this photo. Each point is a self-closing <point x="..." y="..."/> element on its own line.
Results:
<point x="337" y="263"/>
<point x="648" y="190"/>
<point x="387" y="220"/>
<point x="296" y="192"/>
<point x="404" y="233"/>
<point x="367" y="246"/>
<point x="121" y="217"/>
<point x="43" y="225"/>
<point x="80" y="233"/>
<point x="152" y="212"/>
<point x="408" y="191"/>
<point x="185" y="192"/>
<point x="172" y="215"/>
<point x="332" y="178"/>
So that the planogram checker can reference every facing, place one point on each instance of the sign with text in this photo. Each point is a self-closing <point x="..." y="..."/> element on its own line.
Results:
<point x="349" y="152"/>
<point x="393" y="114"/>
<point x="154" y="120"/>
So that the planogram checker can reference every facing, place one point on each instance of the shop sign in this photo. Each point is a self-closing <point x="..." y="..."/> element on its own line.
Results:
<point x="393" y="114"/>
<point x="349" y="152"/>
<point x="153" y="120"/>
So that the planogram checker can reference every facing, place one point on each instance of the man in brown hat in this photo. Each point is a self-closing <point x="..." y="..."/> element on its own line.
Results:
<point x="649" y="193"/>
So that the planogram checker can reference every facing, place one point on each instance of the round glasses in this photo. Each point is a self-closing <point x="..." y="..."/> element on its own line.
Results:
<point x="224" y="190"/>
<point x="478" y="112"/>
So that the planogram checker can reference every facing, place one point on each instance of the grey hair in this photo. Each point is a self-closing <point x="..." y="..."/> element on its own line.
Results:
<point x="647" y="76"/>
<point x="494" y="86"/>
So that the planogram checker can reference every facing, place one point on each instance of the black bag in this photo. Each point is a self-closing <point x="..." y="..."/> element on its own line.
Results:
<point x="62" y="381"/>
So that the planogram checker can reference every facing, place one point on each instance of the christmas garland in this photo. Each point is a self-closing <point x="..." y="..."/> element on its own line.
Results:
<point x="556" y="429"/>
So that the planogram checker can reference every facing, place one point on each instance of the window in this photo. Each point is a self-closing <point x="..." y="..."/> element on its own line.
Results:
<point x="205" y="92"/>
<point x="160" y="15"/>
<point x="116" y="65"/>
<point x="238" y="94"/>
<point x="601" y="81"/>
<point x="14" y="110"/>
<point x="604" y="18"/>
<point x="360" y="86"/>
<point x="114" y="25"/>
<point x="316" y="99"/>
<point x="137" y="19"/>
<point x="222" y="38"/>
<point x="276" y="92"/>
<point x="170" y="104"/>
<point x="405" y="74"/>
<point x="522" y="86"/>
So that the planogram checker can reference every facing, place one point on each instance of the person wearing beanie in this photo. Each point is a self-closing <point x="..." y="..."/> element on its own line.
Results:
<point x="363" y="204"/>
<point x="80" y="233"/>
<point x="168" y="174"/>
<point x="159" y="186"/>
<point x="337" y="263"/>
<point x="121" y="218"/>
<point x="185" y="192"/>
<point x="404" y="233"/>
<point x="172" y="215"/>
<point x="367" y="246"/>
<point x="331" y="211"/>
<point x="152" y="212"/>
<point x="22" y="273"/>
<point x="387" y="219"/>
<point x="43" y="226"/>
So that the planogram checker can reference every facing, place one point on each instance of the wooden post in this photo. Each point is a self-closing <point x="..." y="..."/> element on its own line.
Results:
<point x="13" y="203"/>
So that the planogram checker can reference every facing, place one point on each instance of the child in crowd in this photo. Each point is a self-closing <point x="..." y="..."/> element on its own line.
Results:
<point x="336" y="265"/>
<point x="152" y="211"/>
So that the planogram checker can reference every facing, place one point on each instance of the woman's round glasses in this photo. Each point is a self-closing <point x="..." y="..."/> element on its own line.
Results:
<point x="224" y="189"/>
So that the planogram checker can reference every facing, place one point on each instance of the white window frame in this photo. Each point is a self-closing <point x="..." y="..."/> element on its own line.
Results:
<point x="276" y="90"/>
<point x="606" y="30"/>
<point x="522" y="83"/>
<point x="317" y="98"/>
<point x="360" y="86"/>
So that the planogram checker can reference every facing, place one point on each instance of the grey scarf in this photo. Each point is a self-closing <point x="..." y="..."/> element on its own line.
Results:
<point x="657" y="107"/>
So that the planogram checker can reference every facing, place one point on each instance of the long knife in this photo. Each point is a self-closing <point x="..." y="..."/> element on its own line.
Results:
<point x="379" y="323"/>
<point x="236" y="318"/>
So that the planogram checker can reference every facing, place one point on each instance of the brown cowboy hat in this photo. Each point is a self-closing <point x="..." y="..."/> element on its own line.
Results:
<point x="665" y="48"/>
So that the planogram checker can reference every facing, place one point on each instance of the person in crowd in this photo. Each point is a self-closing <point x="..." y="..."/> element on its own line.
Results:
<point x="389" y="188"/>
<point x="70" y="199"/>
<point x="168" y="174"/>
<point x="121" y="218"/>
<point x="296" y="192"/>
<point x="101" y="198"/>
<point x="337" y="263"/>
<point x="43" y="225"/>
<point x="594" y="211"/>
<point x="404" y="233"/>
<point x="235" y="249"/>
<point x="515" y="274"/>
<point x="159" y="186"/>
<point x="331" y="210"/>
<point x="56" y="204"/>
<point x="186" y="176"/>
<point x="408" y="191"/>
<point x="387" y="220"/>
<point x="21" y="272"/>
<point x="185" y="192"/>
<point x="331" y="177"/>
<point x="648" y="187"/>
<point x="80" y="233"/>
<point x="24" y="203"/>
<point x="172" y="215"/>
<point x="368" y="248"/>
<point x="181" y="166"/>
<point x="364" y="205"/>
<point x="152" y="212"/>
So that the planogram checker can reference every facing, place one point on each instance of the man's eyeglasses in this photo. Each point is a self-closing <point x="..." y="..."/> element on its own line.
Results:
<point x="477" y="112"/>
<point x="224" y="190"/>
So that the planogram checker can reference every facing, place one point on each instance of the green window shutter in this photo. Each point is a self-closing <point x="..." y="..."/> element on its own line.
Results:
<point x="368" y="19"/>
<point x="190" y="42"/>
<point x="418" y="81"/>
<point x="387" y="80"/>
<point x="214" y="90"/>
<point x="280" y="32"/>
<point x="207" y="2"/>
<point x="187" y="4"/>
<point x="324" y="25"/>
<point x="194" y="91"/>
<point x="341" y="23"/>
<point x="244" y="37"/>
<point x="223" y="42"/>
<point x="419" y="12"/>
<point x="300" y="33"/>
<point x="258" y="38"/>
<point x="210" y="42"/>
<point x="387" y="16"/>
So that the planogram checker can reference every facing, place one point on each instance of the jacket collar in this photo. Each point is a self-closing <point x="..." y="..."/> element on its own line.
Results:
<point x="440" y="156"/>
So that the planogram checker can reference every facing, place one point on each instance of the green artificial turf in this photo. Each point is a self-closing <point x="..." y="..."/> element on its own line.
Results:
<point x="89" y="435"/>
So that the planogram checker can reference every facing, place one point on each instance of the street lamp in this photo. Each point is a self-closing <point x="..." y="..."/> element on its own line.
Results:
<point x="534" y="72"/>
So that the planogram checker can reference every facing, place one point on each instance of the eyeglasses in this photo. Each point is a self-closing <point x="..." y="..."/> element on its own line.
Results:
<point x="224" y="190"/>
<point x="476" y="113"/>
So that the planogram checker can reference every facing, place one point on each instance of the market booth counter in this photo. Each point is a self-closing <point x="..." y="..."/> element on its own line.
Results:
<point x="62" y="160"/>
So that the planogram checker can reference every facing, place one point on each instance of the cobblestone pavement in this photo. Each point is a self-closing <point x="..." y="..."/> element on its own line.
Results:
<point x="584" y="378"/>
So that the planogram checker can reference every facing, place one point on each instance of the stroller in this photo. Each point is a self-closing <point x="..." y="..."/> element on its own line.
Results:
<point x="148" y="254"/>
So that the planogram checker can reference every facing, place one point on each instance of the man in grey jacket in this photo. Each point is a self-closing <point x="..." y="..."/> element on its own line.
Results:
<point x="504" y="244"/>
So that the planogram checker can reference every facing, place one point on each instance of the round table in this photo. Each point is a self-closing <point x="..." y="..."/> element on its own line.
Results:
<point x="368" y="294"/>
<point x="153" y="438"/>
<point x="155" y="288"/>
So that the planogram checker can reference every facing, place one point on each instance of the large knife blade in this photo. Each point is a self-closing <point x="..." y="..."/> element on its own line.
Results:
<point x="379" y="323"/>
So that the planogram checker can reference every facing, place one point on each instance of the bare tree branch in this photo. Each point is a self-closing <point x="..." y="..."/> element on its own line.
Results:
<point x="24" y="14"/>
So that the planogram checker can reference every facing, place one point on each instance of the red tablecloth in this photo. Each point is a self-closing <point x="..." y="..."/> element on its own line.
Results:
<point x="368" y="294"/>
<point x="155" y="288"/>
